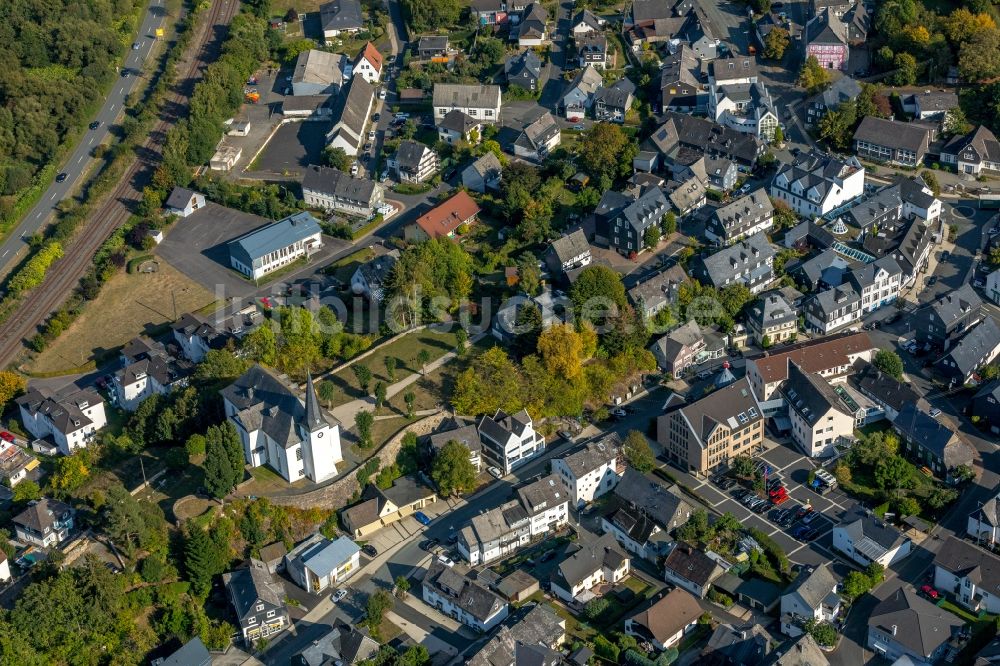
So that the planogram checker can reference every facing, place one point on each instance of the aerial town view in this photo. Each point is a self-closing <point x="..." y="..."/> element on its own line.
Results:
<point x="499" y="332"/>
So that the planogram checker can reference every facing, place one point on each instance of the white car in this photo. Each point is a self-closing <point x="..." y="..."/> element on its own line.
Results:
<point x="371" y="135"/>
<point x="618" y="412"/>
<point x="338" y="595"/>
<point x="445" y="560"/>
<point x="354" y="169"/>
<point x="495" y="472"/>
<point x="381" y="93"/>
<point x="935" y="412"/>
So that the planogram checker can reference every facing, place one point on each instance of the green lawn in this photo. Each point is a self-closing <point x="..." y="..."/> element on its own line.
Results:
<point x="405" y="350"/>
<point x="343" y="269"/>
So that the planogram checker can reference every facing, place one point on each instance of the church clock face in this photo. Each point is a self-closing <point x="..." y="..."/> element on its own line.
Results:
<point x="319" y="434"/>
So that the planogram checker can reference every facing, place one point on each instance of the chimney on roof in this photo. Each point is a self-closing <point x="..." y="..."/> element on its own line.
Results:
<point x="894" y="628"/>
<point x="250" y="393"/>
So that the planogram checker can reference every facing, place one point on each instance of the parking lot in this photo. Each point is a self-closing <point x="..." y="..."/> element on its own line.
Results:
<point x="293" y="147"/>
<point x="792" y="468"/>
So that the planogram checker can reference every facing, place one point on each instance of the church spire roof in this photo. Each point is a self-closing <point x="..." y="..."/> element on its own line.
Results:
<point x="314" y="415"/>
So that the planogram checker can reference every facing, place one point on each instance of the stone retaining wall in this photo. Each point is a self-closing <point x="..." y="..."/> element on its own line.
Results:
<point x="338" y="494"/>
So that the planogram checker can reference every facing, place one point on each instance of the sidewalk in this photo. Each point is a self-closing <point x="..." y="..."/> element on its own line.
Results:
<point x="433" y="644"/>
<point x="345" y="413"/>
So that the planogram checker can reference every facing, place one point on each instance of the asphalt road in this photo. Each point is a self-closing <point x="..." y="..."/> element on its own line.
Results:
<point x="76" y="166"/>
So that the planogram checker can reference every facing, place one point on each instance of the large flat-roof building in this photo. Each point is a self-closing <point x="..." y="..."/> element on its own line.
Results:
<point x="276" y="245"/>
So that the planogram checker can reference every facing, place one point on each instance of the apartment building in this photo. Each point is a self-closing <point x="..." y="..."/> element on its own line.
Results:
<point x="816" y="183"/>
<point x="69" y="420"/>
<point x="509" y="440"/>
<point x="334" y="190"/>
<point x="819" y="418"/>
<point x="591" y="470"/>
<point x="743" y="217"/>
<point x="481" y="102"/>
<point x="453" y="592"/>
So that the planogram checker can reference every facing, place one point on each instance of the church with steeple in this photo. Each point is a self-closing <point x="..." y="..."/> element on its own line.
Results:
<point x="291" y="435"/>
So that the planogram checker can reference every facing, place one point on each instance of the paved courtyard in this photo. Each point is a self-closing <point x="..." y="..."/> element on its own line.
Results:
<point x="293" y="147"/>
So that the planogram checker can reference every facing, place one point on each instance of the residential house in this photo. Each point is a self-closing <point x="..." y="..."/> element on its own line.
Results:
<point x="318" y="73"/>
<point x="45" y="523"/>
<point x="430" y="47"/>
<point x="749" y="261"/>
<point x="380" y="507"/>
<point x="482" y="102"/>
<point x="592" y="51"/>
<point x="831" y="357"/>
<point x="554" y="310"/>
<point x="680" y="83"/>
<point x="196" y="337"/>
<point x="833" y="309"/>
<point x="623" y="217"/>
<point x="686" y="346"/>
<point x="523" y="70"/>
<point x="984" y="522"/>
<point x="947" y="319"/>
<point x="743" y="217"/>
<point x="538" y="139"/>
<point x="930" y="104"/>
<point x="730" y="644"/>
<point x="541" y="507"/>
<point x="509" y="440"/>
<point x="591" y="470"/>
<point x="691" y="569"/>
<point x="182" y="202"/>
<point x="340" y="16"/>
<point x="704" y="434"/>
<point x="70" y="420"/>
<point x="490" y="12"/>
<point x="293" y="436"/>
<point x="192" y="653"/>
<point x="667" y="621"/>
<point x="451" y="591"/>
<point x="278" y="244"/>
<point x="586" y="23"/>
<point x="535" y="637"/>
<point x="144" y="378"/>
<point x="531" y="31"/>
<point x="413" y="162"/>
<point x="986" y="406"/>
<point x="458" y="126"/>
<point x="580" y="92"/>
<point x="258" y="601"/>
<point x="803" y="652"/>
<point x="334" y="190"/>
<point x="819" y="418"/>
<point x="772" y="319"/>
<point x="827" y="41"/>
<point x="568" y="252"/>
<point x="974" y="152"/>
<point x="977" y="348"/>
<point x="865" y="538"/>
<point x="688" y="196"/>
<point x="814" y="184"/>
<point x="970" y="573"/>
<point x="720" y="173"/>
<point x="891" y="141"/>
<point x="483" y="174"/>
<point x="612" y="103"/>
<point x="350" y="116"/>
<point x="904" y="624"/>
<point x="909" y="243"/>
<point x="318" y="564"/>
<point x="368" y="64"/>
<point x="467" y="435"/>
<point x="15" y="463"/>
<point x="591" y="562"/>
<point x="444" y="220"/>
<point x="812" y="596"/>
<point x="642" y="513"/>
<point x="842" y="90"/>
<point x="657" y="292"/>
<point x="740" y="101"/>
<point x="930" y="443"/>
<point x="888" y="393"/>
<point x="370" y="278"/>
<point x="709" y="138"/>
<point x="878" y="283"/>
<point x="344" y="644"/>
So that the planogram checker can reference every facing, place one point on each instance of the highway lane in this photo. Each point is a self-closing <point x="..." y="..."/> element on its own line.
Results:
<point x="75" y="167"/>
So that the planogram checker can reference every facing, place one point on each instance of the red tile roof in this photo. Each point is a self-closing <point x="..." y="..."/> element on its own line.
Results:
<point x="371" y="54"/>
<point x="812" y="356"/>
<point x="443" y="220"/>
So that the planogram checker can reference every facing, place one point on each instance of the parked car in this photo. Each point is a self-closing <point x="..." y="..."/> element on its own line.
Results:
<point x="135" y="46"/>
<point x="566" y="434"/>
<point x="618" y="413"/>
<point x="369" y="550"/>
<point x="809" y="517"/>
<point x="495" y="472"/>
<point x="548" y="556"/>
<point x="930" y="592"/>
<point x="338" y="595"/>
<point x="429" y="544"/>
<point x="422" y="518"/>
<point x="935" y="412"/>
<point x="445" y="560"/>
<point x="803" y="511"/>
<point x="6" y="436"/>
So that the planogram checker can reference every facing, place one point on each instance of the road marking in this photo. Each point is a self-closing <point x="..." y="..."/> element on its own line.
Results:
<point x="81" y="159"/>
<point x="112" y="107"/>
<point x="53" y="196"/>
<point x="5" y="253"/>
<point x="91" y="140"/>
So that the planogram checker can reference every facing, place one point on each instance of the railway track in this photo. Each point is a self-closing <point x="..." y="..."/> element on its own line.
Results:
<point x="65" y="274"/>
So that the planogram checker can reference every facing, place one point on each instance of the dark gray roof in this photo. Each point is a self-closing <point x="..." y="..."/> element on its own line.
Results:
<point x="810" y="395"/>
<point x="672" y="613"/>
<point x="466" y="435"/>
<point x="252" y="584"/>
<point x="652" y="499"/>
<point x="733" y="67"/>
<point x="538" y="133"/>
<point x="351" y="108"/>
<point x="692" y="564"/>
<point x="967" y="560"/>
<point x="928" y="433"/>
<point x="660" y="288"/>
<point x="771" y="309"/>
<point x="842" y="90"/>
<point x="65" y="411"/>
<point x="680" y="67"/>
<point x="264" y="402"/>
<point x="590" y="456"/>
<point x="954" y="305"/>
<point x="341" y="15"/>
<point x="870" y="535"/>
<point x="813" y="585"/>
<point x="915" y="191"/>
<point x="748" y="644"/>
<point x="526" y="61"/>
<point x="742" y="211"/>
<point x="803" y="652"/>
<point x="501" y="425"/>
<point x="871" y="208"/>
<point x="816" y="173"/>
<point x="336" y="183"/>
<point x="588" y="18"/>
<point x="409" y="153"/>
<point x="913" y="622"/>
<point x="881" y="387"/>
<point x="572" y="245"/>
<point x="539" y="628"/>
<point x="589" y="554"/>
<point x="458" y="122"/>
<point x="179" y="198"/>
<point x="893" y="134"/>
<point x="42" y="514"/>
<point x="488" y="166"/>
<point x="432" y="42"/>
<point x="722" y="266"/>
<point x="827" y="28"/>
<point x="464" y="592"/>
<point x="619" y="95"/>
<point x="192" y="653"/>
<point x="977" y="344"/>
<point x="377" y="271"/>
<point x="592" y="44"/>
<point x="981" y="139"/>
<point x="724" y="406"/>
<point x="533" y="21"/>
<point x="650" y="10"/>
<point x="545" y="493"/>
<point x="458" y="94"/>
<point x="831" y="300"/>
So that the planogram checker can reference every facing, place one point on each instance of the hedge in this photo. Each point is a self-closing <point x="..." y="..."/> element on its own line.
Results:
<point x="773" y="550"/>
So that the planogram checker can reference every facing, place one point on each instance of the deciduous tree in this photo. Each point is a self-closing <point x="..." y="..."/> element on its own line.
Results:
<point x="452" y="470"/>
<point x="638" y="452"/>
<point x="813" y="77"/>
<point x="12" y="385"/>
<point x="889" y="362"/>
<point x="775" y="43"/>
<point x="561" y="350"/>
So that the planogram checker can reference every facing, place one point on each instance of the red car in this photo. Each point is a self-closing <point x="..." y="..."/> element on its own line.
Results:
<point x="6" y="436"/>
<point x="930" y="592"/>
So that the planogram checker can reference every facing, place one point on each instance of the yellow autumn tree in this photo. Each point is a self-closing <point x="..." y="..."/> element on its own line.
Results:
<point x="562" y="351"/>
<point x="11" y="386"/>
